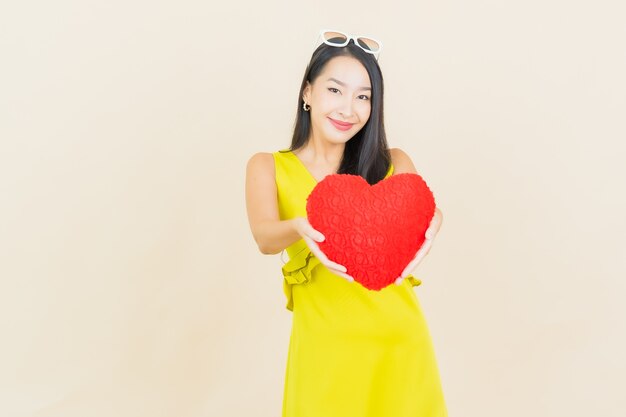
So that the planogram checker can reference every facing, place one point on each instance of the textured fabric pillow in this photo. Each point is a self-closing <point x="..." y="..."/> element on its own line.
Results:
<point x="374" y="231"/>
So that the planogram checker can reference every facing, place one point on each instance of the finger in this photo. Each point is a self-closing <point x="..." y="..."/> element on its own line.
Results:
<point x="432" y="230"/>
<point x="322" y="256"/>
<point x="347" y="277"/>
<point x="316" y="235"/>
<point x="410" y="267"/>
<point x="315" y="249"/>
<point x="341" y="274"/>
<point x="418" y="258"/>
<point x="433" y="227"/>
<point x="335" y="265"/>
<point x="425" y="247"/>
<point x="437" y="216"/>
<point x="413" y="264"/>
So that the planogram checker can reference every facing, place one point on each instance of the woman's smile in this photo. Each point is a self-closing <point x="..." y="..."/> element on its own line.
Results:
<point x="341" y="125"/>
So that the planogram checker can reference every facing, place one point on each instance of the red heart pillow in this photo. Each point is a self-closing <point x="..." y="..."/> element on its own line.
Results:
<point x="374" y="231"/>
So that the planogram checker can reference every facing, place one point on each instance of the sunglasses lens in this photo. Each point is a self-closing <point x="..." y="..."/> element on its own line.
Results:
<point x="368" y="43"/>
<point x="335" y="37"/>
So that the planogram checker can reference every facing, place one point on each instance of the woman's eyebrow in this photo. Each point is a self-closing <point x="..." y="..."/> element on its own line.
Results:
<point x="344" y="84"/>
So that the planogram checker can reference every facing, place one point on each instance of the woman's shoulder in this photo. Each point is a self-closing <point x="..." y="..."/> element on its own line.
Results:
<point x="261" y="162"/>
<point x="401" y="161"/>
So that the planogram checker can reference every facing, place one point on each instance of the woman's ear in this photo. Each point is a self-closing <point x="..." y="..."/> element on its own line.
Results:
<point x="306" y="92"/>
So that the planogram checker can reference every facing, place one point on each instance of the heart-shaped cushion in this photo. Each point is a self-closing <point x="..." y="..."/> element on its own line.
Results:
<point x="374" y="231"/>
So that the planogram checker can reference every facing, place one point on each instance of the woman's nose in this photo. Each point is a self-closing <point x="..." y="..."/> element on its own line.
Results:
<point x="347" y="107"/>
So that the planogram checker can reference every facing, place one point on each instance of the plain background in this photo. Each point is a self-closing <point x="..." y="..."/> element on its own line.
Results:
<point x="131" y="284"/>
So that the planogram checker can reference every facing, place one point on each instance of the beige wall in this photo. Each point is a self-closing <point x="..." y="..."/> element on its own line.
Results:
<point x="131" y="285"/>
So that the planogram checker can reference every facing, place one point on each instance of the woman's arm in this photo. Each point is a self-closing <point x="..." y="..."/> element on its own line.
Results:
<point x="402" y="163"/>
<point x="271" y="234"/>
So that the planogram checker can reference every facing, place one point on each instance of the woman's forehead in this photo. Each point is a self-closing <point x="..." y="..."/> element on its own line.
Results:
<point x="346" y="71"/>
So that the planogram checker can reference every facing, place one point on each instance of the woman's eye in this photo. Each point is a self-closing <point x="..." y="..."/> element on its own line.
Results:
<point x="333" y="89"/>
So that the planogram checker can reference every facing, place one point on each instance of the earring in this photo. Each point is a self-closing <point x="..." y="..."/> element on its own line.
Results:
<point x="304" y="106"/>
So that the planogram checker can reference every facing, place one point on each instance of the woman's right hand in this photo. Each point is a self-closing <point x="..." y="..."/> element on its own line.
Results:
<point x="311" y="237"/>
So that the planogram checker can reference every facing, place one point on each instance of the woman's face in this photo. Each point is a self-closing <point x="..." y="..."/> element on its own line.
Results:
<point x="341" y="93"/>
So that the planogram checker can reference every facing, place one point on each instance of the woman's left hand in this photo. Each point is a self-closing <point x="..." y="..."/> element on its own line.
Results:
<point x="431" y="232"/>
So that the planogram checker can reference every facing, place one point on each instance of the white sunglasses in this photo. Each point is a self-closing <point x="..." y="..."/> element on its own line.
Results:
<point x="338" y="38"/>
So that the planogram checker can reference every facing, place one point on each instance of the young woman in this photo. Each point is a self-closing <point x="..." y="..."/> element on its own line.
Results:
<point x="353" y="352"/>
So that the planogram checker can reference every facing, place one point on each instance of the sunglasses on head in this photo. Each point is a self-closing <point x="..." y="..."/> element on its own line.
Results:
<point x="338" y="38"/>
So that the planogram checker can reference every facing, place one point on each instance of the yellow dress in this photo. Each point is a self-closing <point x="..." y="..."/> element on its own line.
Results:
<point x="353" y="352"/>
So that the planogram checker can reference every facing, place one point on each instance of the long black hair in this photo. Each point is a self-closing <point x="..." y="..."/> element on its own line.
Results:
<point x="366" y="153"/>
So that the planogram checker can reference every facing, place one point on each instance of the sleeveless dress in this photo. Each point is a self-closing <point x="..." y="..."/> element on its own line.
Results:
<point x="353" y="352"/>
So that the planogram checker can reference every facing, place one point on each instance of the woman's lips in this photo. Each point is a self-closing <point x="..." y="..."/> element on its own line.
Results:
<point x="340" y="125"/>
